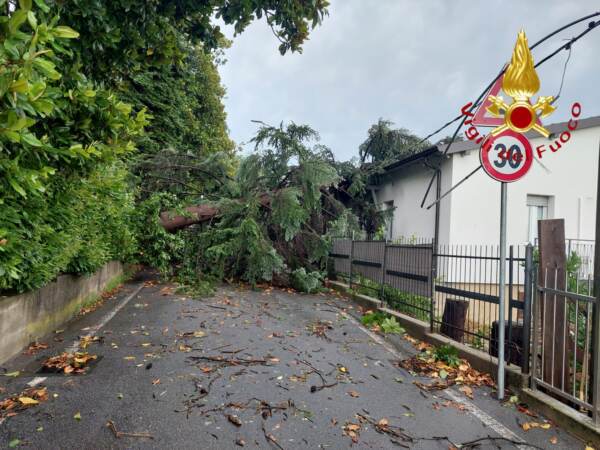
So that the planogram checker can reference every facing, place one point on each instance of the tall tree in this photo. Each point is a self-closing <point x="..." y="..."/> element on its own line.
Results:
<point x="385" y="144"/>
<point x="122" y="37"/>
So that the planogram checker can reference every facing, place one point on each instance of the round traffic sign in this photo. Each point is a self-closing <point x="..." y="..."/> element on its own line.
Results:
<point x="507" y="156"/>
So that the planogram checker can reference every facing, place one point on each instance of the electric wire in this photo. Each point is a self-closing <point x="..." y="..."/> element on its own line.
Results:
<point x="591" y="25"/>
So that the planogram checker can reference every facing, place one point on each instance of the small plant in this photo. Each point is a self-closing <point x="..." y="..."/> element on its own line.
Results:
<point x="373" y="318"/>
<point x="390" y="325"/>
<point x="447" y="354"/>
<point x="387" y="324"/>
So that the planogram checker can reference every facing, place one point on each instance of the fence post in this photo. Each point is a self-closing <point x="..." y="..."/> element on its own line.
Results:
<point x="381" y="295"/>
<point x="596" y="313"/>
<point x="432" y="276"/>
<point x="351" y="258"/>
<point x="529" y="270"/>
<point x="511" y="260"/>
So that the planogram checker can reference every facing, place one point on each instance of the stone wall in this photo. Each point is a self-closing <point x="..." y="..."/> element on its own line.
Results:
<point x="32" y="315"/>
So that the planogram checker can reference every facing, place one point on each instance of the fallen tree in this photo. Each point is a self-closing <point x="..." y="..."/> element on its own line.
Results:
<point x="197" y="214"/>
<point x="274" y="217"/>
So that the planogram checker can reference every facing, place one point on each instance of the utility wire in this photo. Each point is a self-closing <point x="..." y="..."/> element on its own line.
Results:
<point x="567" y="45"/>
<point x="562" y="78"/>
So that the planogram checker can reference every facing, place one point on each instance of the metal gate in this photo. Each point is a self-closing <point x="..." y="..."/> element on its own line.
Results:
<point x="565" y="348"/>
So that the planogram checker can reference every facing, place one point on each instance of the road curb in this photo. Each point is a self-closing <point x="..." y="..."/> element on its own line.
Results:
<point x="572" y="421"/>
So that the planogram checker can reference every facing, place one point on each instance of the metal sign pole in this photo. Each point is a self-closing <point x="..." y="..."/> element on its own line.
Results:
<point x="501" y="288"/>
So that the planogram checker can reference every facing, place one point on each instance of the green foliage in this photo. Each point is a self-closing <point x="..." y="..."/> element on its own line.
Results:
<point x="385" y="144"/>
<point x="186" y="149"/>
<point x="413" y="305"/>
<point x="386" y="323"/>
<point x="447" y="354"/>
<point x="240" y="252"/>
<point x="373" y="318"/>
<point x="288" y="212"/>
<point x="303" y="281"/>
<point x="271" y="218"/>
<point x="158" y="248"/>
<point x="391" y="326"/>
<point x="63" y="193"/>
<point x="196" y="287"/>
<point x="122" y="37"/>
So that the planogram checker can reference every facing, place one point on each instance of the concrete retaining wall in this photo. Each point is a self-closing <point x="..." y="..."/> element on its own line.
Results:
<point x="30" y="316"/>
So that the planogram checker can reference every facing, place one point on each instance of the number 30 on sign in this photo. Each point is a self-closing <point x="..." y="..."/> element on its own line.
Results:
<point x="506" y="157"/>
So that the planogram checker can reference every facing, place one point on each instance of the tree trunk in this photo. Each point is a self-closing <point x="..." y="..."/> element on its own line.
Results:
<point x="172" y="221"/>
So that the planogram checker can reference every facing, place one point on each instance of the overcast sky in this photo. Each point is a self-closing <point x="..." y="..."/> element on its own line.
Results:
<point x="414" y="62"/>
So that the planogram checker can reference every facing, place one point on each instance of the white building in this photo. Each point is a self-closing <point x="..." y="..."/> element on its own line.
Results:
<point x="561" y="184"/>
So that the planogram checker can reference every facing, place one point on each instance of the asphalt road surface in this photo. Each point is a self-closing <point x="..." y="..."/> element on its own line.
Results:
<point x="255" y="369"/>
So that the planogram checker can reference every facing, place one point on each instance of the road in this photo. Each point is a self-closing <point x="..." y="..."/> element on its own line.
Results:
<point x="246" y="368"/>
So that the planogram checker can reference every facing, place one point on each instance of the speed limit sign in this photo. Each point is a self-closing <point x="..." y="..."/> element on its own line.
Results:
<point x="507" y="156"/>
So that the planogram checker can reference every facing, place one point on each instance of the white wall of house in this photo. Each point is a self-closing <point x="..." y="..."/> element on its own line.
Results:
<point x="568" y="186"/>
<point x="404" y="189"/>
<point x="565" y="188"/>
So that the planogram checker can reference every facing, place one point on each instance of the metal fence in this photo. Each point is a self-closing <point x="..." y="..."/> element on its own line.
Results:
<point x="550" y="316"/>
<point x="467" y="296"/>
<point x="580" y="252"/>
<point x="452" y="288"/>
<point x="565" y="349"/>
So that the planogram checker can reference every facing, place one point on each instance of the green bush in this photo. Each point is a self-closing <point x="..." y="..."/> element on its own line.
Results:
<point x="64" y="198"/>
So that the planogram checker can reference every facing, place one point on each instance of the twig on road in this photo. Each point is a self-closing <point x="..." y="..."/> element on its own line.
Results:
<point x="119" y="434"/>
<point x="324" y="384"/>
<point x="231" y="361"/>
<point x="270" y="438"/>
<point x="475" y="443"/>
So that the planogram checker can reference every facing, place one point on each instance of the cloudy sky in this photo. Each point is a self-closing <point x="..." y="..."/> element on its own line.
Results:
<point x="414" y="62"/>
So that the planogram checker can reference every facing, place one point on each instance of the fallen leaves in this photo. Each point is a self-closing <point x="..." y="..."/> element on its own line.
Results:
<point x="69" y="363"/>
<point x="29" y="397"/>
<point x="425" y="364"/>
<point x="234" y="420"/>
<point x="85" y="341"/>
<point x="35" y="347"/>
<point x="320" y="327"/>
<point x="28" y="401"/>
<point x="193" y="334"/>
<point x="353" y="394"/>
<point x="522" y="407"/>
<point x="467" y="391"/>
<point x="352" y="430"/>
<point x="531" y="425"/>
<point x="77" y="416"/>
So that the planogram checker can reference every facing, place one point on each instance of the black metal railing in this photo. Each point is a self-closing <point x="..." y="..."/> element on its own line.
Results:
<point x="453" y="288"/>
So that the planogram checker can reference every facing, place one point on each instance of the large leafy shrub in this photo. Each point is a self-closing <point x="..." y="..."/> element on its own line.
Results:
<point x="63" y="194"/>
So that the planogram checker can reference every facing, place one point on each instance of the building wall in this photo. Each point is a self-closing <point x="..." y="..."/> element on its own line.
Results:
<point x="570" y="181"/>
<point x="471" y="213"/>
<point x="405" y="188"/>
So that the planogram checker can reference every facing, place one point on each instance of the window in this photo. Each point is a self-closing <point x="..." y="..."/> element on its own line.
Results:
<point x="537" y="209"/>
<point x="389" y="225"/>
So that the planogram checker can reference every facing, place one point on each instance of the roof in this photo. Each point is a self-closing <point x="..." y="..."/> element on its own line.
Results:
<point x="464" y="146"/>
